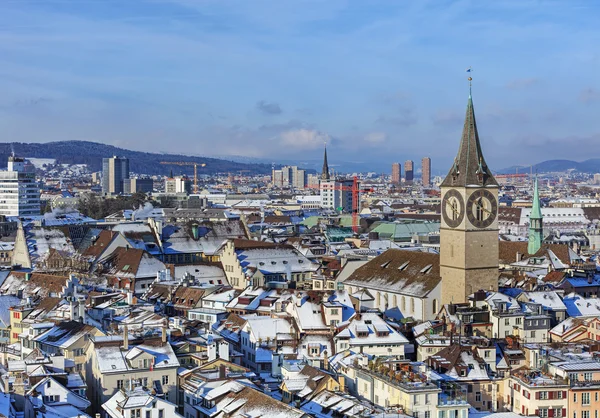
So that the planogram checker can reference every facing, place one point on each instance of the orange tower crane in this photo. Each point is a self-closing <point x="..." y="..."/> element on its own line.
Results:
<point x="186" y="163"/>
<point x="355" y="199"/>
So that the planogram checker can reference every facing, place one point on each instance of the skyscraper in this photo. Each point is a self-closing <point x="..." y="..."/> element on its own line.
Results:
<point x="396" y="173"/>
<point x="19" y="192"/>
<point x="426" y="171"/>
<point x="409" y="171"/>
<point x="115" y="171"/>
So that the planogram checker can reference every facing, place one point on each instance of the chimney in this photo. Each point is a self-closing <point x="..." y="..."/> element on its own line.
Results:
<point x="72" y="308"/>
<point x="130" y="298"/>
<point x="222" y="371"/>
<point x="164" y="333"/>
<point x="125" y="338"/>
<point x="325" y="361"/>
<point x="518" y="257"/>
<point x="195" y="231"/>
<point x="342" y="382"/>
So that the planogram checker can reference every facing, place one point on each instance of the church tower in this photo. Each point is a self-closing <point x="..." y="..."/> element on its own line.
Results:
<point x="536" y="224"/>
<point x="469" y="228"/>
<point x="325" y="171"/>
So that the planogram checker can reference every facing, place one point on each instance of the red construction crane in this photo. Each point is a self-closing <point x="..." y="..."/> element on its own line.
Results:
<point x="355" y="199"/>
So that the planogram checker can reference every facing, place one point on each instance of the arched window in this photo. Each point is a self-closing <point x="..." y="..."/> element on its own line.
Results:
<point x="395" y="301"/>
<point x="434" y="306"/>
<point x="412" y="305"/>
<point x="403" y="308"/>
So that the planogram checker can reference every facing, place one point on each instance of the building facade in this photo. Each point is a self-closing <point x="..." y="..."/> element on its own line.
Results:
<point x="409" y="173"/>
<point x="396" y="173"/>
<point x="426" y="171"/>
<point x="19" y="191"/>
<point x="115" y="173"/>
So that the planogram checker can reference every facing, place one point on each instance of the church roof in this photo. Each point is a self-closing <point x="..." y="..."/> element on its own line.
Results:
<point x="411" y="273"/>
<point x="536" y="211"/>
<point x="469" y="166"/>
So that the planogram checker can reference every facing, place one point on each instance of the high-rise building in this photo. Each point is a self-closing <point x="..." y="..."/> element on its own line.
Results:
<point x="336" y="195"/>
<point x="409" y="173"/>
<point x="179" y="184"/>
<point x="290" y="176"/>
<point x="115" y="171"/>
<point x="426" y="171"/>
<point x="19" y="192"/>
<point x="469" y="228"/>
<point x="396" y="173"/>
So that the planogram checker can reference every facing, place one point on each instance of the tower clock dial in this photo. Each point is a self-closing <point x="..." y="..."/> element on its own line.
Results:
<point x="482" y="208"/>
<point x="453" y="208"/>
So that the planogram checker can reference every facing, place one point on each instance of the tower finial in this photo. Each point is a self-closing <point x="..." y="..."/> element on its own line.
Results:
<point x="470" y="70"/>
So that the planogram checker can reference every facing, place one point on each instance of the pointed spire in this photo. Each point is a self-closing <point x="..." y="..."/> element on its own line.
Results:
<point x="536" y="211"/>
<point x="325" y="171"/>
<point x="536" y="225"/>
<point x="469" y="166"/>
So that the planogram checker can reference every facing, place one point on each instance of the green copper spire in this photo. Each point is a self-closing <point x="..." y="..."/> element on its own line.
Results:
<point x="536" y="228"/>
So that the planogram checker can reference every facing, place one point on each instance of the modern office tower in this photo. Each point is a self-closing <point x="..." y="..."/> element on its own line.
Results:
<point x="426" y="171"/>
<point x="396" y="173"/>
<point x="115" y="171"/>
<point x="139" y="185"/>
<point x="19" y="192"/>
<point x="409" y="171"/>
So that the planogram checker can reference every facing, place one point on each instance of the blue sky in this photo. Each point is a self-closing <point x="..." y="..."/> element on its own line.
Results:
<point x="380" y="81"/>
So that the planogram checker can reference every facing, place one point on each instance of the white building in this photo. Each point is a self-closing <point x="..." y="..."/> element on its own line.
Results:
<point x="336" y="194"/>
<point x="19" y="192"/>
<point x="141" y="403"/>
<point x="177" y="185"/>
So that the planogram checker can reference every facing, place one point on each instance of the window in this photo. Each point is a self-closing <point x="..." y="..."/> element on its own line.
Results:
<point x="574" y="397"/>
<point x="148" y="414"/>
<point x="532" y="334"/>
<point x="585" y="414"/>
<point x="136" y="413"/>
<point x="161" y="413"/>
<point x="427" y="414"/>
<point x="585" y="398"/>
<point x="165" y="379"/>
<point x="588" y="377"/>
<point x="507" y="321"/>
<point x="119" y="384"/>
<point x="543" y="413"/>
<point x="543" y="395"/>
<point x="477" y="396"/>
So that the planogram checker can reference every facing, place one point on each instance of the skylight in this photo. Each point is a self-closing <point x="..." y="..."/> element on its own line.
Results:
<point x="403" y="266"/>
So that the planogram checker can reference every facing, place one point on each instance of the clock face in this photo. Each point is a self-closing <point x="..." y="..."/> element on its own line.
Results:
<point x="453" y="208"/>
<point x="482" y="208"/>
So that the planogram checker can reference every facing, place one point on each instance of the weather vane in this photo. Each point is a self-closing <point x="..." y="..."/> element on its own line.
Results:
<point x="470" y="70"/>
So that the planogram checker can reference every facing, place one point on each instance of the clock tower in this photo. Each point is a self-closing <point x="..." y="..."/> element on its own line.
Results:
<point x="469" y="228"/>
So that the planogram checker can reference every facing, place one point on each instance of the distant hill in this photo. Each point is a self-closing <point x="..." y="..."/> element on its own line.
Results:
<point x="587" y="166"/>
<point x="91" y="153"/>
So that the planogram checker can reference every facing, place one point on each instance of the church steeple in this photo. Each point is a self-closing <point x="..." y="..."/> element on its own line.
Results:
<point x="325" y="171"/>
<point x="536" y="224"/>
<point x="469" y="167"/>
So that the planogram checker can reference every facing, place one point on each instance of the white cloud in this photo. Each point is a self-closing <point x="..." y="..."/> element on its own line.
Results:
<point x="376" y="137"/>
<point x="304" y="138"/>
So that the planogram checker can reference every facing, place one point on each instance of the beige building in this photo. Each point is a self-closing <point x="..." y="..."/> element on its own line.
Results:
<point x="469" y="229"/>
<point x="115" y="363"/>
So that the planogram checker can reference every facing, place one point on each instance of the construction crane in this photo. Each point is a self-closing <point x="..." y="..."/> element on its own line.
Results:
<point x="355" y="199"/>
<point x="186" y="163"/>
